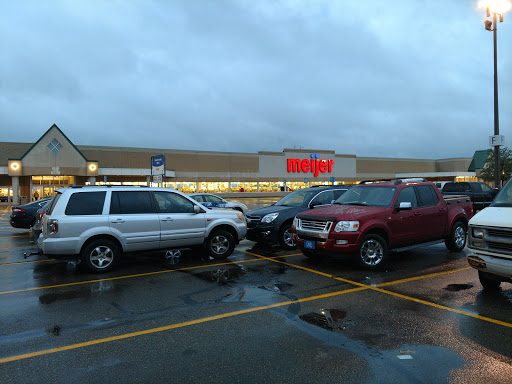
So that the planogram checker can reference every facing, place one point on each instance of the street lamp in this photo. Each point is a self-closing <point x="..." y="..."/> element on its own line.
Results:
<point x="494" y="8"/>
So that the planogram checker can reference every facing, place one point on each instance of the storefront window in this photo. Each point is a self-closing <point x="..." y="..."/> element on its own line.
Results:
<point x="5" y="194"/>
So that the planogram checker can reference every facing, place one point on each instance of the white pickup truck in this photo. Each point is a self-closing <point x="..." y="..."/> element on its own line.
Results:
<point x="490" y="240"/>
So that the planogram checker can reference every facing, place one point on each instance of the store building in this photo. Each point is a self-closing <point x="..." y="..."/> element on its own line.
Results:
<point x="30" y="171"/>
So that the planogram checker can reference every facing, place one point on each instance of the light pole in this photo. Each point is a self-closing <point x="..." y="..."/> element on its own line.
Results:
<point x="494" y="8"/>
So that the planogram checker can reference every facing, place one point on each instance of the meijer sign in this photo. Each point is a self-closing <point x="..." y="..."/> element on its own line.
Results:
<point x="306" y="165"/>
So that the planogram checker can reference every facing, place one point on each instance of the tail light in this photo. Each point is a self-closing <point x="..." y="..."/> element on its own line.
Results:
<point x="40" y="216"/>
<point x="53" y="226"/>
<point x="18" y="210"/>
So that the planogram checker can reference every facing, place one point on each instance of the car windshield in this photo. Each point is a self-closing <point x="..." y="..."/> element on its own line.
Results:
<point x="297" y="198"/>
<point x="504" y="197"/>
<point x="368" y="196"/>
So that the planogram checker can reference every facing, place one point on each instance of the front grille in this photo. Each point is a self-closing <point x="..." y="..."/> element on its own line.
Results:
<point x="499" y="246"/>
<point x="253" y="221"/>
<point x="499" y="232"/>
<point x="313" y="225"/>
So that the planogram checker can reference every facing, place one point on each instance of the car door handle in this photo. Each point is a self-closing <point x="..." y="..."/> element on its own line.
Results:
<point x="118" y="221"/>
<point x="417" y="213"/>
<point x="168" y="219"/>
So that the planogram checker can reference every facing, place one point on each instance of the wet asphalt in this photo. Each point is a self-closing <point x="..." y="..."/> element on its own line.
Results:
<point x="264" y="315"/>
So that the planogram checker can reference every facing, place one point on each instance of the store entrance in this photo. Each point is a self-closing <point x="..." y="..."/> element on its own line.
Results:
<point x="45" y="186"/>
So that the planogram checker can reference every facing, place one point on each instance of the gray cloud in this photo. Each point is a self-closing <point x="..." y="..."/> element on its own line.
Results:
<point x="400" y="79"/>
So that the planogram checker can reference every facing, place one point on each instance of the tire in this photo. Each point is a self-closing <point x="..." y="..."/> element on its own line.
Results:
<point x="220" y="244"/>
<point x="286" y="237"/>
<point x="373" y="252"/>
<point x="457" y="240"/>
<point x="100" y="255"/>
<point x="489" y="281"/>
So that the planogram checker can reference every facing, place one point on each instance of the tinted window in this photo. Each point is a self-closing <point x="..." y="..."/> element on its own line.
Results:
<point x="407" y="195"/>
<point x="297" y="198"/>
<point x="85" y="203"/>
<point x="427" y="195"/>
<point x="338" y="193"/>
<point x="476" y="188"/>
<point x="129" y="202"/>
<point x="485" y="187"/>
<point x="169" y="202"/>
<point x="323" y="198"/>
<point x="456" y="187"/>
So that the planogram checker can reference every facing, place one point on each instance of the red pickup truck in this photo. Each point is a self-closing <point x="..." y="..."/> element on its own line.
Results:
<point x="373" y="218"/>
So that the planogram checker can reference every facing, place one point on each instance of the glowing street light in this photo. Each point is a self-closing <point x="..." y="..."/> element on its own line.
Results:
<point x="494" y="8"/>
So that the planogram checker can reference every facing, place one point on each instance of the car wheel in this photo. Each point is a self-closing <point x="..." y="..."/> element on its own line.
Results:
<point x="373" y="252"/>
<point x="286" y="237"/>
<point x="457" y="240"/>
<point x="489" y="281"/>
<point x="100" y="255"/>
<point x="220" y="244"/>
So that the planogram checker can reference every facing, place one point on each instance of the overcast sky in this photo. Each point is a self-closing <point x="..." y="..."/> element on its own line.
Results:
<point x="410" y="78"/>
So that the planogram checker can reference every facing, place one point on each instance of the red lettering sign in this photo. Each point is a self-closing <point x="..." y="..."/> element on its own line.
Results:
<point x="306" y="165"/>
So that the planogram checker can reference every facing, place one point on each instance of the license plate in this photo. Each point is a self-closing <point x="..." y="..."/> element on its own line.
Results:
<point x="308" y="244"/>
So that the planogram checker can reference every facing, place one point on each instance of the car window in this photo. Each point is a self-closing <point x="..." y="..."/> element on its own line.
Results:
<point x="338" y="192"/>
<point x="476" y="187"/>
<point x="407" y="195"/>
<point x="53" y="203"/>
<point x="368" y="196"/>
<point x="324" y="198"/>
<point x="85" y="203"/>
<point x="427" y="196"/>
<point x="297" y="198"/>
<point x="169" y="202"/>
<point x="485" y="187"/>
<point x="212" y="199"/>
<point x="131" y="202"/>
<point x="456" y="187"/>
<point x="198" y="198"/>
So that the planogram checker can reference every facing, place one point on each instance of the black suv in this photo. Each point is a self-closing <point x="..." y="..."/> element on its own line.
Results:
<point x="480" y="193"/>
<point x="272" y="224"/>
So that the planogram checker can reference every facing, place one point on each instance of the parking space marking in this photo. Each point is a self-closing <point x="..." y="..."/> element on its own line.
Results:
<point x="410" y="298"/>
<point x="137" y="275"/>
<point x="172" y="326"/>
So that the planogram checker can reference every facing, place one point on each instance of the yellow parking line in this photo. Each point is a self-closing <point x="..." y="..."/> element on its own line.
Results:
<point x="172" y="326"/>
<point x="132" y="276"/>
<point x="375" y="288"/>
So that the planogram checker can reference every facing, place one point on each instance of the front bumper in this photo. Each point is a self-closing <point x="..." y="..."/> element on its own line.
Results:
<point x="261" y="234"/>
<point x="491" y="264"/>
<point x="334" y="244"/>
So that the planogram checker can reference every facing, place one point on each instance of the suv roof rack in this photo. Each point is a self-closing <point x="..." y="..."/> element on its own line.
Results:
<point x="395" y="181"/>
<point x="103" y="186"/>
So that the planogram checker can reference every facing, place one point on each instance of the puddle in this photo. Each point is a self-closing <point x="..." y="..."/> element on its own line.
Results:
<point x="331" y="319"/>
<point x="458" y="287"/>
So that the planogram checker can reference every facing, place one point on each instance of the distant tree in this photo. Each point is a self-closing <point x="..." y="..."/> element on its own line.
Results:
<point x="487" y="173"/>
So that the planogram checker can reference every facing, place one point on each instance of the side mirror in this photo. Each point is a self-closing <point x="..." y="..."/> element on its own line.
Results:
<point x="494" y="192"/>
<point x="314" y="204"/>
<point x="198" y="209"/>
<point x="404" y="205"/>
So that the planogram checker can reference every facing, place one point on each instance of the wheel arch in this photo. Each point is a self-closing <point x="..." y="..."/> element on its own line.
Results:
<point x="376" y="231"/>
<point x="224" y="227"/>
<point x="98" y="237"/>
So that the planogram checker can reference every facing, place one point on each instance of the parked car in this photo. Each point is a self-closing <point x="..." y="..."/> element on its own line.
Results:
<point x="272" y="224"/>
<point x="213" y="201"/>
<point x="480" y="193"/>
<point x="24" y="216"/>
<point x="37" y="227"/>
<point x="371" y="219"/>
<point x="99" y="224"/>
<point x="490" y="241"/>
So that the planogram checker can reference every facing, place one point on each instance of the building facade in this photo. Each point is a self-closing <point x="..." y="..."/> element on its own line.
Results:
<point x="30" y="171"/>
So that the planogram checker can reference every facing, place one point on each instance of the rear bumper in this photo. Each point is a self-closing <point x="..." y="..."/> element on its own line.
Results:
<point x="55" y="246"/>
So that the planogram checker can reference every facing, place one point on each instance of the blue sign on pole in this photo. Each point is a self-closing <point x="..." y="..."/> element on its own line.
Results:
<point x="332" y="179"/>
<point x="305" y="180"/>
<point x="158" y="165"/>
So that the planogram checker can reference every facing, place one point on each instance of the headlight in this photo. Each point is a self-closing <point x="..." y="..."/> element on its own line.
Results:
<point x="478" y="233"/>
<point x="295" y="222"/>
<point x="240" y="216"/>
<point x="346" y="226"/>
<point x="269" y="218"/>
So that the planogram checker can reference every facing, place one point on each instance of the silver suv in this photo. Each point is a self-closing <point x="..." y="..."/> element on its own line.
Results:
<point x="100" y="223"/>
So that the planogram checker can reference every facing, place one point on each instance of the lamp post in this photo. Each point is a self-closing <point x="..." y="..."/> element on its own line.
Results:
<point x="495" y="8"/>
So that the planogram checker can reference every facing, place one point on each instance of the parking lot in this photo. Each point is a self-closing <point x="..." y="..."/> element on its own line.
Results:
<point x="262" y="315"/>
